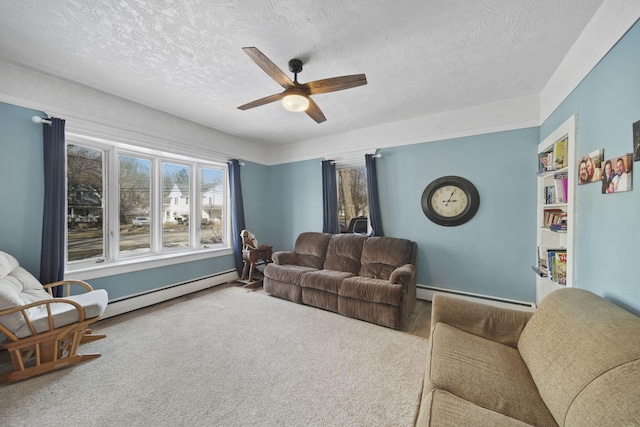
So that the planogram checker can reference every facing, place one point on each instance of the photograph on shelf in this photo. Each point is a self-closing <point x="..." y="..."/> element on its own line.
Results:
<point x="590" y="167"/>
<point x="621" y="177"/>
<point x="636" y="141"/>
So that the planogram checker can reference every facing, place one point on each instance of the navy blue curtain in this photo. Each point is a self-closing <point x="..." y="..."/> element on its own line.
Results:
<point x="237" y="212"/>
<point x="374" y="199"/>
<point x="53" y="223"/>
<point x="329" y="198"/>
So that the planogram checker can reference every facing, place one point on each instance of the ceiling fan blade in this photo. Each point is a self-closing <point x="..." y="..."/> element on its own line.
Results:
<point x="269" y="67"/>
<point x="335" y="83"/>
<point x="262" y="101"/>
<point x="315" y="112"/>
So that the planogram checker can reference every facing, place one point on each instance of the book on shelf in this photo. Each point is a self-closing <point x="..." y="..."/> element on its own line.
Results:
<point x="549" y="195"/>
<point x="545" y="161"/>
<point x="560" y="154"/>
<point x="553" y="216"/>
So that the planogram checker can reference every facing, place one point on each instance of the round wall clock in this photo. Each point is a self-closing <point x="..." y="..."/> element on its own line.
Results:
<point x="450" y="200"/>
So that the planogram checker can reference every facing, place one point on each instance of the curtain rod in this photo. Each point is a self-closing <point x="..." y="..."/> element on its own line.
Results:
<point x="338" y="162"/>
<point x="39" y="120"/>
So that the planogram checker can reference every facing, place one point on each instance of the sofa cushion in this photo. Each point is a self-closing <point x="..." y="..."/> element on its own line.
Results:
<point x="311" y="249"/>
<point x="372" y="290"/>
<point x="382" y="255"/>
<point x="94" y="303"/>
<point x="486" y="373"/>
<point x="286" y="273"/>
<point x="572" y="339"/>
<point x="344" y="252"/>
<point x="324" y="280"/>
<point x="443" y="409"/>
<point x="18" y="287"/>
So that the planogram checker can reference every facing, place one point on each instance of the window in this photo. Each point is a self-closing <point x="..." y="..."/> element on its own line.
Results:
<point x="85" y="213"/>
<point x="134" y="184"/>
<point x="176" y="213"/>
<point x="128" y="205"/>
<point x="212" y="218"/>
<point x="353" y="207"/>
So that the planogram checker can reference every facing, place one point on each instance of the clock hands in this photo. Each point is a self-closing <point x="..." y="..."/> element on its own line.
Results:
<point x="447" y="202"/>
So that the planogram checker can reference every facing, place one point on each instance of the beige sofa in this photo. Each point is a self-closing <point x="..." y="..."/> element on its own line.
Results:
<point x="367" y="278"/>
<point x="574" y="362"/>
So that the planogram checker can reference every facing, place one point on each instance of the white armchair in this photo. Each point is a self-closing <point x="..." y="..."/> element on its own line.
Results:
<point x="40" y="332"/>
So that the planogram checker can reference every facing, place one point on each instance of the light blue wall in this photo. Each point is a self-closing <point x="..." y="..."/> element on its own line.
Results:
<point x="255" y="196"/>
<point x="492" y="254"/>
<point x="22" y="188"/>
<point x="607" y="102"/>
<point x="295" y="202"/>
<point x="22" y="194"/>
<point x="122" y="285"/>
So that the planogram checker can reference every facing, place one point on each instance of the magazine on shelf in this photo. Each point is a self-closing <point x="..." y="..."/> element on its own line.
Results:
<point x="548" y="264"/>
<point x="560" y="154"/>
<point x="561" y="186"/>
<point x="561" y="267"/>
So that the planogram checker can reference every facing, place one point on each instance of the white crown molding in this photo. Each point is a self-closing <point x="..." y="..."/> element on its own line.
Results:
<point x="98" y="114"/>
<point x="610" y="23"/>
<point x="517" y="113"/>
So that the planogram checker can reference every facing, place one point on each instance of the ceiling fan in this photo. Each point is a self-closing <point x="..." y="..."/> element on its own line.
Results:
<point x="296" y="96"/>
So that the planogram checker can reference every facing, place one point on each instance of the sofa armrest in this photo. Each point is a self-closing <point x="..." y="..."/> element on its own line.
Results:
<point x="403" y="275"/>
<point x="497" y="324"/>
<point x="284" y="257"/>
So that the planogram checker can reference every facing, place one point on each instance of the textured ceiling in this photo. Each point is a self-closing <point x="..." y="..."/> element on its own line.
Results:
<point x="184" y="57"/>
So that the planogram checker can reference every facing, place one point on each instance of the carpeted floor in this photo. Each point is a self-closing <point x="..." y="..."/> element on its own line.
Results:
<point x="230" y="357"/>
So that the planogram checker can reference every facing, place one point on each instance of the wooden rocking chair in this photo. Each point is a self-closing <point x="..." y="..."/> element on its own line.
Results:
<point x="43" y="333"/>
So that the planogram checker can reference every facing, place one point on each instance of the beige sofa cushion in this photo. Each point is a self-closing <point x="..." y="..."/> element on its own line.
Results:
<point x="486" y="373"/>
<point x="575" y="346"/>
<point x="443" y="409"/>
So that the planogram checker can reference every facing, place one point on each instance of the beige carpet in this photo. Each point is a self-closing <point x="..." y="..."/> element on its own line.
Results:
<point x="230" y="357"/>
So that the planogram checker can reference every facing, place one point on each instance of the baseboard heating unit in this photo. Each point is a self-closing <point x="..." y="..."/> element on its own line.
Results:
<point x="427" y="293"/>
<point x="155" y="296"/>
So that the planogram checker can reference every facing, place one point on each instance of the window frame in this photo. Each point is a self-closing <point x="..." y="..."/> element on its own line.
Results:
<point x="115" y="262"/>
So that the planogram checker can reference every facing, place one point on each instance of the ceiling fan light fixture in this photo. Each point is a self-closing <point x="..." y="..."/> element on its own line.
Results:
<point x="295" y="102"/>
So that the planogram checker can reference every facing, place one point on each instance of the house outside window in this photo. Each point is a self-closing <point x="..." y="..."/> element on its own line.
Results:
<point x="128" y="206"/>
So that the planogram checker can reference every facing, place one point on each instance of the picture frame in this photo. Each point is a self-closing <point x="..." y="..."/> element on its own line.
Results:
<point x="620" y="179"/>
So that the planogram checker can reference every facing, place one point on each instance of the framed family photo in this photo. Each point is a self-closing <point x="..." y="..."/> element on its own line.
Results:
<point x="617" y="174"/>
<point x="590" y="167"/>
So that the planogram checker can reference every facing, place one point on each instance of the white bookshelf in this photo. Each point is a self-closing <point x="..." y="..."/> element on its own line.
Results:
<point x="546" y="237"/>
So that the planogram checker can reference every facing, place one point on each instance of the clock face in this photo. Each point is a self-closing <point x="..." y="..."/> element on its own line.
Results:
<point x="450" y="201"/>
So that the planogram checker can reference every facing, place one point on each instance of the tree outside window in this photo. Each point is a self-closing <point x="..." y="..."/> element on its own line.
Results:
<point x="85" y="213"/>
<point x="352" y="196"/>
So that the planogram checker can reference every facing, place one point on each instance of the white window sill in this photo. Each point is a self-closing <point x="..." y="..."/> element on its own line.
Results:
<point x="128" y="265"/>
